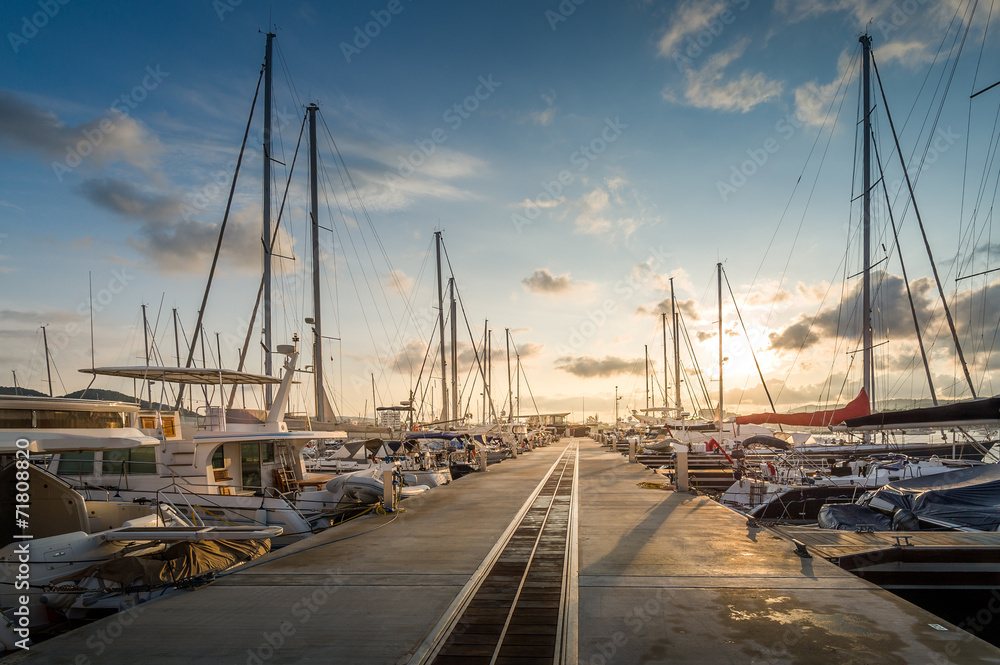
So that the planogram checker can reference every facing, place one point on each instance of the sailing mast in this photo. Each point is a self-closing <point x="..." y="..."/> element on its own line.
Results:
<point x="510" y="390"/>
<point x="677" y="351"/>
<point x="444" y="363"/>
<point x="666" y="372"/>
<point x="489" y="370"/>
<point x="645" y="348"/>
<point x="721" y="359"/>
<point x="454" y="350"/>
<point x="486" y="335"/>
<point x="48" y="365"/>
<point x="266" y="205"/>
<point x="866" y="342"/>
<point x="317" y="321"/>
<point x="145" y="344"/>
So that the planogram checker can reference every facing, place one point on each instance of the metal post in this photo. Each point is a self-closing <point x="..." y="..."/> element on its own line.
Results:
<point x="682" y="471"/>
<point x="388" y="491"/>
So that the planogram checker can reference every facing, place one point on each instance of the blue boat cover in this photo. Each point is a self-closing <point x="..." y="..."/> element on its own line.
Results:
<point x="849" y="516"/>
<point x="966" y="497"/>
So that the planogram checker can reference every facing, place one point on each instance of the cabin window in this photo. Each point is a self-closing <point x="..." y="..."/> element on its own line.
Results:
<point x="218" y="459"/>
<point x="136" y="461"/>
<point x="267" y="452"/>
<point x="15" y="419"/>
<point x="150" y="422"/>
<point x="250" y="465"/>
<point x="76" y="464"/>
<point x="79" y="419"/>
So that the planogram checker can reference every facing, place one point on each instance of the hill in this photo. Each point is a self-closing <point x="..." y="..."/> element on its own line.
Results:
<point x="95" y="394"/>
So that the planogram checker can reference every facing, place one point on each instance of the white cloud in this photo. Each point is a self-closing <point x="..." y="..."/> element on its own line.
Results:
<point x="543" y="281"/>
<point x="398" y="281"/>
<point x="546" y="115"/>
<point x="707" y="88"/>
<point x="861" y="10"/>
<point x="688" y="18"/>
<point x="912" y="53"/>
<point x="604" y="211"/>
<point x="398" y="175"/>
<point x="97" y="142"/>
<point x="812" y="101"/>
<point x="539" y="203"/>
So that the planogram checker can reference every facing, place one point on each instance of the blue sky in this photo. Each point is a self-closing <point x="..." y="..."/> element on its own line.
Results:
<point x="463" y="117"/>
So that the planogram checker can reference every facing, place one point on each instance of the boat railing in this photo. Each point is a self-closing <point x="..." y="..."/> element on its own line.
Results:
<point x="199" y="498"/>
<point x="162" y="498"/>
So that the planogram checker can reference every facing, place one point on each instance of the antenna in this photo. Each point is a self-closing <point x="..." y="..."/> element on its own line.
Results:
<point x="90" y="287"/>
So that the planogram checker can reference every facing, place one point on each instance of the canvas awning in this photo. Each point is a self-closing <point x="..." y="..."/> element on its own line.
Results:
<point x="185" y="375"/>
<point x="74" y="440"/>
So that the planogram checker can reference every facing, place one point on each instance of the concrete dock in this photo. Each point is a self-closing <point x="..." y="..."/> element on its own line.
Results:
<point x="663" y="577"/>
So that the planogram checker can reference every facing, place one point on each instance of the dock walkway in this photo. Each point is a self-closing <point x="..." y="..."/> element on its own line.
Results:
<point x="651" y="576"/>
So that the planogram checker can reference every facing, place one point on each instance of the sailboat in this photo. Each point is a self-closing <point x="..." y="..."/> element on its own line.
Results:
<point x="796" y="484"/>
<point x="233" y="466"/>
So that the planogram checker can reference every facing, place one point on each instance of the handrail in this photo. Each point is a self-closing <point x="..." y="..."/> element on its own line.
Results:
<point x="183" y="495"/>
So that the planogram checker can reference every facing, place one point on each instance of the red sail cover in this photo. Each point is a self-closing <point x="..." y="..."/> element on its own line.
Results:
<point x="855" y="409"/>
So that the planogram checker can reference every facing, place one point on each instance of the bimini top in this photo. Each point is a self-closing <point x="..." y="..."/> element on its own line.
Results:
<point x="187" y="375"/>
<point x="48" y="441"/>
<point x="33" y="402"/>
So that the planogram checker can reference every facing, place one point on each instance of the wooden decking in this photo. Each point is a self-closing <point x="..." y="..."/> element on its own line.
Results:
<point x="831" y="544"/>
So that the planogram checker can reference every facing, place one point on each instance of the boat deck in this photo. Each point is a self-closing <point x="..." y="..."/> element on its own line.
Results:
<point x="567" y="556"/>
<point x="831" y="544"/>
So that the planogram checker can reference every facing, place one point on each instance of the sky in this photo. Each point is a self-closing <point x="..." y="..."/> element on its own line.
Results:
<point x="577" y="156"/>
